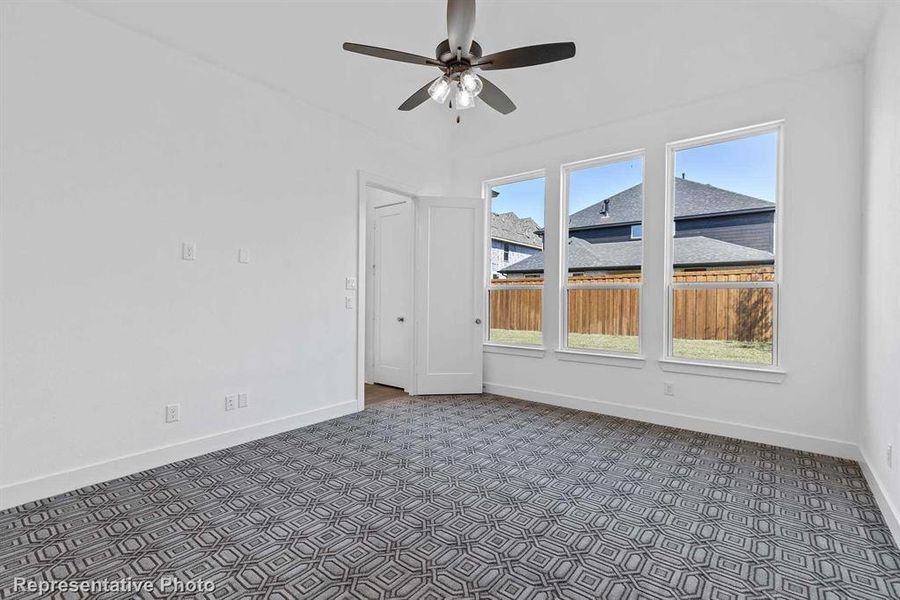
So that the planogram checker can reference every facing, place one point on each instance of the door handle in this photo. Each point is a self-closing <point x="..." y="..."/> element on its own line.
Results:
<point x="478" y="321"/>
<point x="401" y="319"/>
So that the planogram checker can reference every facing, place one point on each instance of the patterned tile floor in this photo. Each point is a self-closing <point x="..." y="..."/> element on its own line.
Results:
<point x="471" y="497"/>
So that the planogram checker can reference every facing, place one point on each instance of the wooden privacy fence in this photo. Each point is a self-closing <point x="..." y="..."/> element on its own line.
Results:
<point x="743" y="314"/>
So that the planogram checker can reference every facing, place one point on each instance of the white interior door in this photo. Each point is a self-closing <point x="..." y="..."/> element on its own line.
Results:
<point x="449" y="299"/>
<point x="391" y="298"/>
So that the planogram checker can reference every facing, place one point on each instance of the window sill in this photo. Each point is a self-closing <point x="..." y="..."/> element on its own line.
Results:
<point x="598" y="358"/>
<point x="746" y="373"/>
<point x="529" y="351"/>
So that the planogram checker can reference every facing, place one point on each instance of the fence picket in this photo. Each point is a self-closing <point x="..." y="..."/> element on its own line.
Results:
<point x="721" y="314"/>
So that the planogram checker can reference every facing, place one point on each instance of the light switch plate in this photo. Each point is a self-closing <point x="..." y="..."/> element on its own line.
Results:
<point x="242" y="400"/>
<point x="350" y="283"/>
<point x="348" y="302"/>
<point x="244" y="256"/>
<point x="188" y="251"/>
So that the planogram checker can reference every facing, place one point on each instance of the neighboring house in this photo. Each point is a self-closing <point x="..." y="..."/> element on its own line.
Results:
<point x="690" y="252"/>
<point x="713" y="228"/>
<point x="512" y="240"/>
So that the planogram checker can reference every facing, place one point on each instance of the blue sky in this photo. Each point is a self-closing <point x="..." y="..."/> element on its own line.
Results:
<point x="746" y="166"/>
<point x="525" y="198"/>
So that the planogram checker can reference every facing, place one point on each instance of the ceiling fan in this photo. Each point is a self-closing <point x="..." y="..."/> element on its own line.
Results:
<point x="460" y="56"/>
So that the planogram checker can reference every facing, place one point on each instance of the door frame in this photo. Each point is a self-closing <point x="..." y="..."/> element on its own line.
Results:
<point x="365" y="181"/>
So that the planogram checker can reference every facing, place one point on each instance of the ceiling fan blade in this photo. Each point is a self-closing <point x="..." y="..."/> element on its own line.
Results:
<point x="495" y="98"/>
<point x="460" y="24"/>
<point x="391" y="54"/>
<point x="526" y="56"/>
<point x="420" y="96"/>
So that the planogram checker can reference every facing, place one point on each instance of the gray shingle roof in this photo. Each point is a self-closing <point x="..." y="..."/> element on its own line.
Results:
<point x="689" y="251"/>
<point x="509" y="227"/>
<point x="691" y="199"/>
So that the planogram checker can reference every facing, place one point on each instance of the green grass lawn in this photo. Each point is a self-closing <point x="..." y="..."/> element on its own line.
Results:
<point x="730" y="350"/>
<point x="516" y="336"/>
<point x="744" y="352"/>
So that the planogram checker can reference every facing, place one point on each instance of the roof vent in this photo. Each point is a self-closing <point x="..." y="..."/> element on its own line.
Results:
<point x="604" y="209"/>
<point x="682" y="174"/>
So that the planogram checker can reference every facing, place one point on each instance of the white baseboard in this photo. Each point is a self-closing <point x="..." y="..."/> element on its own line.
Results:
<point x="774" y="437"/>
<point x="21" y="492"/>
<point x="888" y="510"/>
<point x="785" y="439"/>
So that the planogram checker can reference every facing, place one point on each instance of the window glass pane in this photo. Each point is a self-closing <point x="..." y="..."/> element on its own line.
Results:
<point x="603" y="247"/>
<point x="515" y="315"/>
<point x="730" y="324"/>
<point x="605" y="202"/>
<point x="604" y="319"/>
<point x="517" y="243"/>
<point x="724" y="206"/>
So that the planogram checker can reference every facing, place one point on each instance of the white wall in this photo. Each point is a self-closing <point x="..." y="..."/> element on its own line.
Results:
<point x="816" y="405"/>
<point x="115" y="149"/>
<point x="880" y="424"/>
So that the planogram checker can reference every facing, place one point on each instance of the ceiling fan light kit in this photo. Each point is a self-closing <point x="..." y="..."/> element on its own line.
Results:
<point x="463" y="98"/>
<point x="459" y="56"/>
<point x="439" y="90"/>
<point x="471" y="82"/>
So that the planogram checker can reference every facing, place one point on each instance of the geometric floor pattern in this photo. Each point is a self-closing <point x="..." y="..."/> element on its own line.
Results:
<point x="471" y="497"/>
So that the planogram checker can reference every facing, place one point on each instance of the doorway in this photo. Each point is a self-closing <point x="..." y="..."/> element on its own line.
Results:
<point x="389" y="279"/>
<point x="421" y="301"/>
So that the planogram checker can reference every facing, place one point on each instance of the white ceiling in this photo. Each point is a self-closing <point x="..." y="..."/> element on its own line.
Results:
<point x="633" y="57"/>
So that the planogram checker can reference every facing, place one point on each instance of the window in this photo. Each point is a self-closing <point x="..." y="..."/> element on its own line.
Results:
<point x="603" y="252"/>
<point x="722" y="204"/>
<point x="516" y="285"/>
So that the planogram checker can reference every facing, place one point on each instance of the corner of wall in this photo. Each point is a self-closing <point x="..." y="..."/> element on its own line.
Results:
<point x="879" y="415"/>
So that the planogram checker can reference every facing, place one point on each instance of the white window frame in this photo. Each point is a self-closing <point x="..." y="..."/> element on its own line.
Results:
<point x="564" y="287"/>
<point x="490" y="345"/>
<point x="639" y="237"/>
<point x="671" y="362"/>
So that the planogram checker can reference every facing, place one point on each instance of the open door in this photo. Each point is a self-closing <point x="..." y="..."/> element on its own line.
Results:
<point x="391" y="285"/>
<point x="449" y="298"/>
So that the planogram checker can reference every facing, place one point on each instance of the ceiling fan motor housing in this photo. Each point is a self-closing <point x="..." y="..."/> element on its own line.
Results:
<point x="444" y="55"/>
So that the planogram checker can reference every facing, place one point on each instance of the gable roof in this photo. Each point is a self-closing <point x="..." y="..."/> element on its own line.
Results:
<point x="689" y="251"/>
<point x="509" y="227"/>
<point x="692" y="199"/>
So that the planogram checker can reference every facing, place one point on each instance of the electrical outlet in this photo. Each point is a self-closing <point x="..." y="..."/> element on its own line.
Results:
<point x="188" y="251"/>
<point x="231" y="402"/>
<point x="890" y="456"/>
<point x="242" y="401"/>
<point x="172" y="413"/>
<point x="669" y="389"/>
